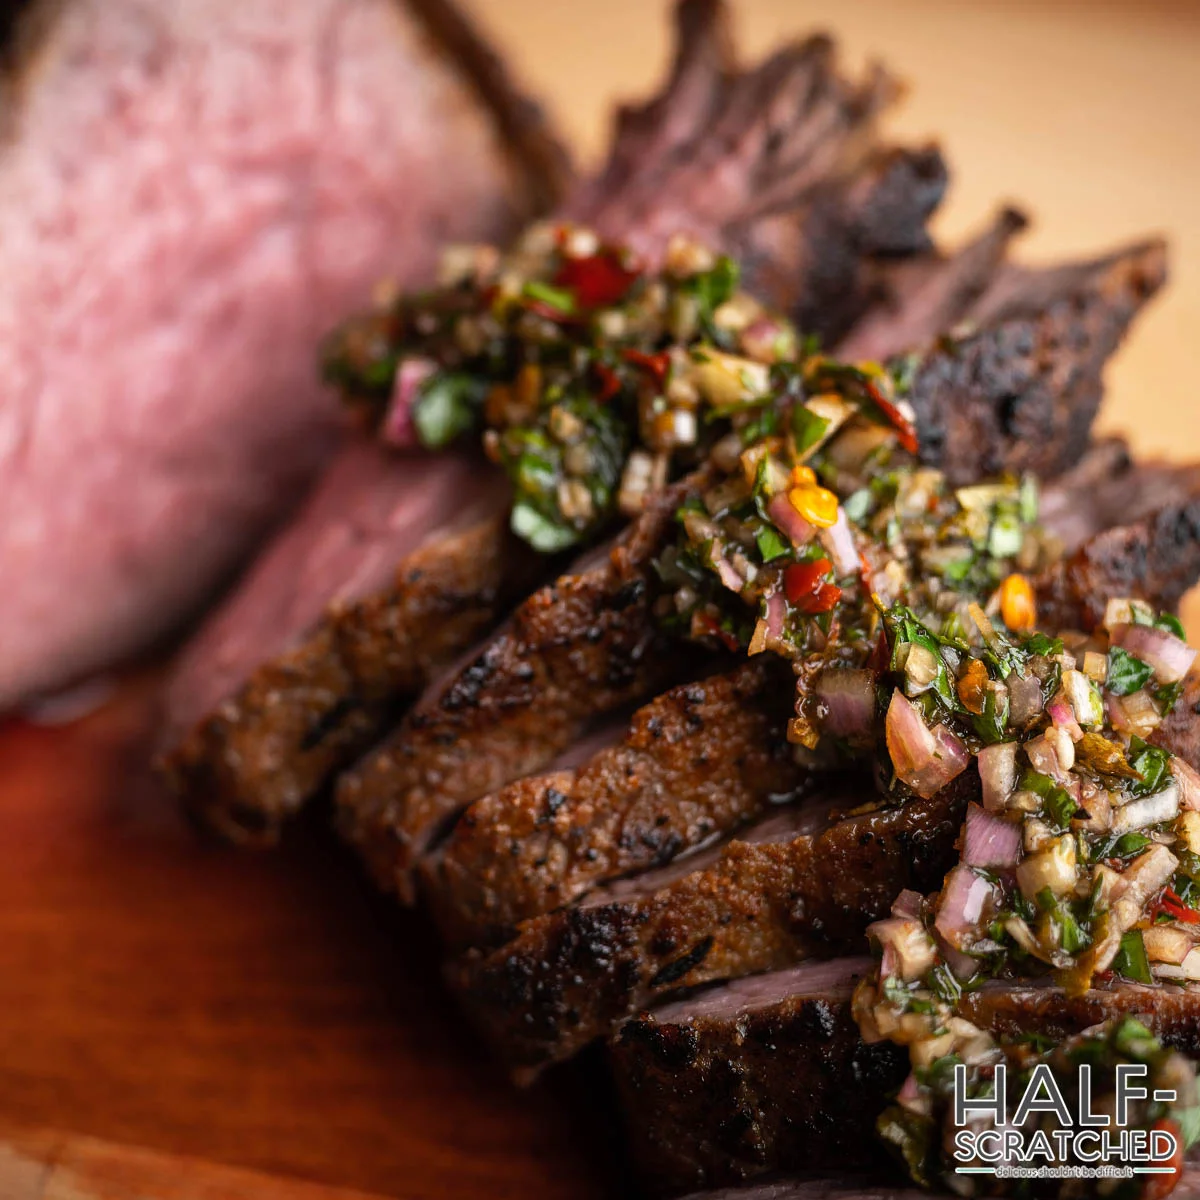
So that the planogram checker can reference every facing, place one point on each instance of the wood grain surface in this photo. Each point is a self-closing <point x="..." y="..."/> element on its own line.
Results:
<point x="181" y="1021"/>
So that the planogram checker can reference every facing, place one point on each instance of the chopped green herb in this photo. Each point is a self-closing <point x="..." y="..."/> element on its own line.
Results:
<point x="557" y="298"/>
<point x="1057" y="803"/>
<point x="1040" y="644"/>
<point x="540" y="531"/>
<point x="1126" y="674"/>
<point x="807" y="428"/>
<point x="1131" y="961"/>
<point x="1172" y="624"/>
<point x="771" y="544"/>
<point x="713" y="287"/>
<point x="1152" y="764"/>
<point x="447" y="406"/>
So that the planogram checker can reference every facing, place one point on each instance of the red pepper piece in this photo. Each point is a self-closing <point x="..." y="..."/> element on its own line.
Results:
<point x="610" y="382"/>
<point x="806" y="588"/>
<point x="881" y="656"/>
<point x="902" y="425"/>
<point x="1171" y="903"/>
<point x="803" y="579"/>
<point x="865" y="571"/>
<point x="597" y="281"/>
<point x="656" y="364"/>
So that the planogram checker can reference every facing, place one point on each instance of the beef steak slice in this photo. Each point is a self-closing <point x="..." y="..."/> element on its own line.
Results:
<point x="1021" y="393"/>
<point x="699" y="760"/>
<point x="310" y="661"/>
<point x="758" y="1073"/>
<point x="573" y="652"/>
<point x="802" y="882"/>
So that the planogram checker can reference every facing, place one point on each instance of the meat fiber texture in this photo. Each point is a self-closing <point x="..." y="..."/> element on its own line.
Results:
<point x="190" y="193"/>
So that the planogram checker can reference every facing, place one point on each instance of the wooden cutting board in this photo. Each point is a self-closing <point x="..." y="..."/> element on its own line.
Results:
<point x="181" y="1021"/>
<point x="164" y="993"/>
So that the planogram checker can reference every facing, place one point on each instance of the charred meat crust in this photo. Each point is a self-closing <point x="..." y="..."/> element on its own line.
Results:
<point x="826" y="264"/>
<point x="569" y="976"/>
<point x="1157" y="559"/>
<point x="1021" y="394"/>
<point x="729" y="145"/>
<point x="919" y="299"/>
<point x="709" y="1101"/>
<point x="253" y="762"/>
<point x="541" y="157"/>
<point x="778" y="164"/>
<point x="704" y="61"/>
<point x="698" y="761"/>
<point x="573" y="651"/>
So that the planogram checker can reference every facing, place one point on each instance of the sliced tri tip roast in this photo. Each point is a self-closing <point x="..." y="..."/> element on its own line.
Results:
<point x="471" y="705"/>
<point x="395" y="565"/>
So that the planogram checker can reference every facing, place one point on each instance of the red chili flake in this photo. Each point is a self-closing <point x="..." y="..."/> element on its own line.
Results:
<point x="597" y="281"/>
<point x="865" y="571"/>
<point x="1171" y="903"/>
<point x="903" y="426"/>
<point x="656" y="364"/>
<point x="806" y="588"/>
<point x="711" y="626"/>
<point x="610" y="382"/>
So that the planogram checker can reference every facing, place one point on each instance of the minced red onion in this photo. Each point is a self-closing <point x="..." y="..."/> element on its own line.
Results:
<point x="998" y="774"/>
<point x="907" y="906"/>
<point x="728" y="576"/>
<point x="760" y="338"/>
<point x="776" y="613"/>
<point x="990" y="841"/>
<point x="1148" y="810"/>
<point x="925" y="759"/>
<point x="1189" y="783"/>
<point x="797" y="529"/>
<point x="846" y="701"/>
<point x="1063" y="716"/>
<point x="838" y="541"/>
<point x="1170" y="656"/>
<point x="963" y="965"/>
<point x="961" y="906"/>
<point x="397" y="427"/>
<point x="1044" y="758"/>
<point x="1134" y="713"/>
